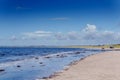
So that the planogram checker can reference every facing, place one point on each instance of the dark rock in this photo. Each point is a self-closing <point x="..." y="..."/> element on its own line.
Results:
<point x="47" y="56"/>
<point x="36" y="58"/>
<point x="57" y="55"/>
<point x="77" y="52"/>
<point x="1" y="70"/>
<point x="18" y="66"/>
<point x="111" y="47"/>
<point x="40" y="62"/>
<point x="103" y="48"/>
<point x="62" y="56"/>
<point x="2" y="54"/>
<point x="45" y="78"/>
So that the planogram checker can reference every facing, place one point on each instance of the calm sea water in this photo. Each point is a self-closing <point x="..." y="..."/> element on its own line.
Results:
<point x="32" y="68"/>
<point x="12" y="54"/>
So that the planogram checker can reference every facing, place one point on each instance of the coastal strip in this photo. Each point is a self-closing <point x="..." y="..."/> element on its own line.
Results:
<point x="103" y="66"/>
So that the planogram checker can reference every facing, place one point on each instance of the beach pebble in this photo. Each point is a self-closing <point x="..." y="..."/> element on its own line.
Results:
<point x="81" y="58"/>
<point x="51" y="76"/>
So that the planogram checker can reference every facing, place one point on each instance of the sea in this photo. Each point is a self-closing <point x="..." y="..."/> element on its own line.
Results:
<point x="27" y="63"/>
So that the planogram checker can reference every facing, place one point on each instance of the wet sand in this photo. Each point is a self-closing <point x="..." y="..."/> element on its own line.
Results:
<point x="104" y="66"/>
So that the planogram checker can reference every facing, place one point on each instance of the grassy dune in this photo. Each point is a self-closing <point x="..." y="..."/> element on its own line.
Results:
<point x="94" y="46"/>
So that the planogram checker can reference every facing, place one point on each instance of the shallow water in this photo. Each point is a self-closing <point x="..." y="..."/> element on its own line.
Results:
<point x="31" y="68"/>
<point x="13" y="54"/>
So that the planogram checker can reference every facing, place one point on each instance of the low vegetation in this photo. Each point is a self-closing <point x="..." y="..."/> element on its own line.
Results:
<point x="95" y="46"/>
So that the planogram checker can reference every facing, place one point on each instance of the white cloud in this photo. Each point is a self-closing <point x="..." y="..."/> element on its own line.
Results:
<point x="60" y="18"/>
<point x="13" y="38"/>
<point x="108" y="34"/>
<point x="90" y="34"/>
<point x="60" y="36"/>
<point x="73" y="35"/>
<point x="42" y="32"/>
<point x="37" y="34"/>
<point x="21" y="8"/>
<point x="118" y="36"/>
<point x="90" y="28"/>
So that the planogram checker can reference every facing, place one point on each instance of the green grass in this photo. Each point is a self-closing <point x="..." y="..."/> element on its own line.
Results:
<point x="116" y="45"/>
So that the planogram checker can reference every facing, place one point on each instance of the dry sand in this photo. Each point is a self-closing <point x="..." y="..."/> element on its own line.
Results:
<point x="104" y="66"/>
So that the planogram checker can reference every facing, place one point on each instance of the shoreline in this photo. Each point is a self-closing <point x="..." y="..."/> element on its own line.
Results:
<point x="42" y="67"/>
<point x="65" y="68"/>
<point x="77" y="70"/>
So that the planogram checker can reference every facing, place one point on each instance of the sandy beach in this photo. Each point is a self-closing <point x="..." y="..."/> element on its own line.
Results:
<point x="104" y="66"/>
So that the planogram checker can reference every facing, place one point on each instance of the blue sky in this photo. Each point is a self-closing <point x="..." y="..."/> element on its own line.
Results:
<point x="59" y="22"/>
